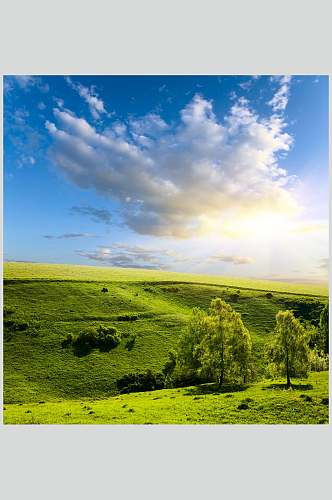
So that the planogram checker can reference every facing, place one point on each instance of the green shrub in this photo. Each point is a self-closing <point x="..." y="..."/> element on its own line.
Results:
<point x="85" y="342"/>
<point x="131" y="341"/>
<point x="141" y="381"/>
<point x="127" y="317"/>
<point x="104" y="338"/>
<point x="107" y="337"/>
<point x="319" y="361"/>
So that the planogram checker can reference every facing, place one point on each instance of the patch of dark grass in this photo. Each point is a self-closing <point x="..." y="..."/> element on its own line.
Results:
<point x="305" y="397"/>
<point x="214" y="389"/>
<point x="127" y="317"/>
<point x="295" y="387"/>
<point x="243" y="406"/>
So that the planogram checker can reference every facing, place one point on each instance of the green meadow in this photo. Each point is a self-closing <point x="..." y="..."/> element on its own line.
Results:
<point x="45" y="382"/>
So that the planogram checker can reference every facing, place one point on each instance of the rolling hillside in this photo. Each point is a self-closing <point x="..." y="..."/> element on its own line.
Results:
<point x="54" y="301"/>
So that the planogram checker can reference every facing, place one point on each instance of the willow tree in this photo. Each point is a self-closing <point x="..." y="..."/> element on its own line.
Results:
<point x="288" y="352"/>
<point x="216" y="344"/>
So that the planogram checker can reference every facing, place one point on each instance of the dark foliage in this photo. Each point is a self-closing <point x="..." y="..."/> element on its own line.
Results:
<point x="188" y="379"/>
<point x="7" y="312"/>
<point x="85" y="342"/>
<point x="130" y="342"/>
<point x="324" y="329"/>
<point x="243" y="406"/>
<point x="104" y="337"/>
<point x="127" y="317"/>
<point x="305" y="397"/>
<point x="107" y="338"/>
<point x="141" y="381"/>
<point x="234" y="297"/>
<point x="304" y="309"/>
<point x="67" y="341"/>
<point x="15" y="325"/>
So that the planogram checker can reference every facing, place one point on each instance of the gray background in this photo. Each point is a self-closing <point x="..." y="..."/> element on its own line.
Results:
<point x="165" y="37"/>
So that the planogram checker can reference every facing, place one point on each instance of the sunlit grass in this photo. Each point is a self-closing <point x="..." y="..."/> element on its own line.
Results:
<point x="264" y="403"/>
<point x="24" y="270"/>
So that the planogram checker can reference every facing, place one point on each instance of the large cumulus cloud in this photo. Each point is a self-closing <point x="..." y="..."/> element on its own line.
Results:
<point x="178" y="179"/>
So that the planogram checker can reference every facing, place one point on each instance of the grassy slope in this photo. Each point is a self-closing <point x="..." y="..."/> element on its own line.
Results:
<point x="24" y="270"/>
<point x="192" y="405"/>
<point x="37" y="368"/>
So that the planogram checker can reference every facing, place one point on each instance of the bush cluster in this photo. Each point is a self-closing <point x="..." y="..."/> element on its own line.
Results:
<point x="104" y="337"/>
<point x="141" y="381"/>
<point x="127" y="317"/>
<point x="131" y="341"/>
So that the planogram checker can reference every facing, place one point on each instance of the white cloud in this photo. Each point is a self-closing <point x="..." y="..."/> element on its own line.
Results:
<point x="26" y="140"/>
<point x="90" y="96"/>
<point x="121" y="255"/>
<point x="59" y="102"/>
<point x="233" y="259"/>
<point x="324" y="264"/>
<point x="26" y="82"/>
<point x="178" y="180"/>
<point x="280" y="99"/>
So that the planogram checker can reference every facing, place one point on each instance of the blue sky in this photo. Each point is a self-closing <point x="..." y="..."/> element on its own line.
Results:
<point x="210" y="174"/>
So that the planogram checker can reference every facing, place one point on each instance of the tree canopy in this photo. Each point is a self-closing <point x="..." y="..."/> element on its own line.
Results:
<point x="288" y="352"/>
<point x="216" y="344"/>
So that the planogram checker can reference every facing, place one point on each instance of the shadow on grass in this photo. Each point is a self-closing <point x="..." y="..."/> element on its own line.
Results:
<point x="295" y="387"/>
<point x="81" y="350"/>
<point x="214" y="389"/>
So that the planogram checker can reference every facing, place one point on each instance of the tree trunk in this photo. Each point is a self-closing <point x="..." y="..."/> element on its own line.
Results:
<point x="289" y="384"/>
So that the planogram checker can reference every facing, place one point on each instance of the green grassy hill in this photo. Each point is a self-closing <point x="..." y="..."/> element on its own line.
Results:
<point x="57" y="300"/>
<point x="27" y="270"/>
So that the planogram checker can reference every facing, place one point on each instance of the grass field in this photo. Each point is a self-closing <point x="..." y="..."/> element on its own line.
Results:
<point x="264" y="403"/>
<point x="57" y="300"/>
<point x="27" y="270"/>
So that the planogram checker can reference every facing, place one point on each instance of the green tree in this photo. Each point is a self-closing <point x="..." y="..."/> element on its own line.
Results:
<point x="288" y="352"/>
<point x="189" y="352"/>
<point x="324" y="328"/>
<point x="216" y="345"/>
<point x="226" y="347"/>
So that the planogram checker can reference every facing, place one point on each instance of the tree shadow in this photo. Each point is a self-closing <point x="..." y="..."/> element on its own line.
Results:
<point x="295" y="387"/>
<point x="214" y="389"/>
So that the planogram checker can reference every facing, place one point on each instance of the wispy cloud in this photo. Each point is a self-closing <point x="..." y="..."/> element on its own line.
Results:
<point x="26" y="83"/>
<point x="324" y="264"/>
<point x="68" y="236"/>
<point x="232" y="259"/>
<point x="26" y="140"/>
<point x="125" y="256"/>
<point x="96" y="105"/>
<point x="96" y="214"/>
<point x="280" y="99"/>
